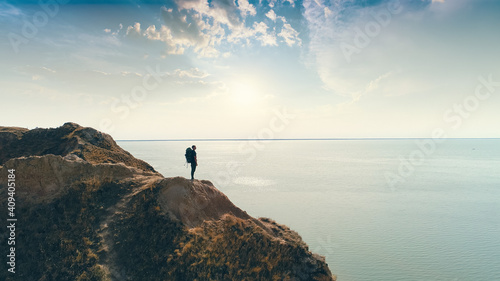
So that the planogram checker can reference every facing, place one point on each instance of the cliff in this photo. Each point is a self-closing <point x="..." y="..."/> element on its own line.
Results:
<point x="88" y="210"/>
<point x="70" y="139"/>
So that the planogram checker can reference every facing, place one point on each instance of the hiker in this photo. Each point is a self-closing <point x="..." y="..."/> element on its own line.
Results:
<point x="191" y="158"/>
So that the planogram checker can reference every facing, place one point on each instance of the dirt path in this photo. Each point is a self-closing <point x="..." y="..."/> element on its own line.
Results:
<point x="104" y="233"/>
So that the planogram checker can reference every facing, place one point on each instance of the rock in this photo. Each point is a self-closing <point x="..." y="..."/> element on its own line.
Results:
<point x="86" y="143"/>
<point x="44" y="178"/>
<point x="89" y="210"/>
<point x="193" y="202"/>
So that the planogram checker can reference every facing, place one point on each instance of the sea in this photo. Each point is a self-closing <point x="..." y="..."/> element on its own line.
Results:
<point x="376" y="209"/>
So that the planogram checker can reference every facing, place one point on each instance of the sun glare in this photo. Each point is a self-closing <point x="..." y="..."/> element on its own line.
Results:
<point x="244" y="94"/>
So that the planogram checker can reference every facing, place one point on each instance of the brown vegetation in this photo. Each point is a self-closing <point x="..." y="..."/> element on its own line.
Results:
<point x="87" y="143"/>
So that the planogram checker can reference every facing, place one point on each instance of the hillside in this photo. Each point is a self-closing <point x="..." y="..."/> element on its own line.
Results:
<point x="88" y="210"/>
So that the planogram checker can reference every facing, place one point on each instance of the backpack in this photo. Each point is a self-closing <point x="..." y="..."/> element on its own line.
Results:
<point x="189" y="155"/>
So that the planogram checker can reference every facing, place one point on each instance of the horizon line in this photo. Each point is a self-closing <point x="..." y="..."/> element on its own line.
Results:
<point x="293" y="139"/>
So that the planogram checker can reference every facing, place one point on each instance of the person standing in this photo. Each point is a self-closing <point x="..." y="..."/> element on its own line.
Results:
<point x="194" y="161"/>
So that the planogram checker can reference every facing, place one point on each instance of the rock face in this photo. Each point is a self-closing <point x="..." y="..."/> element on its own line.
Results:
<point x="193" y="202"/>
<point x="70" y="139"/>
<point x="91" y="211"/>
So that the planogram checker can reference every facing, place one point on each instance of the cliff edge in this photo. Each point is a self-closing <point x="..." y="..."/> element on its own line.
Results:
<point x="88" y="210"/>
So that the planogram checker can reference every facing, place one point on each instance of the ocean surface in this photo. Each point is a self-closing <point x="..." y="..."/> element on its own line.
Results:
<point x="386" y="210"/>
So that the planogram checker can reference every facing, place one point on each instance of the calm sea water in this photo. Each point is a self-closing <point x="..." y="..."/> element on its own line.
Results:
<point x="440" y="222"/>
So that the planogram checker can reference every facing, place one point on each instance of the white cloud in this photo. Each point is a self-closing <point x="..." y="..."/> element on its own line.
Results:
<point x="328" y="30"/>
<point x="449" y="7"/>
<point x="191" y="73"/>
<point x="292" y="2"/>
<point x="246" y="8"/>
<point x="102" y="72"/>
<point x="290" y="35"/>
<point x="179" y="34"/>
<point x="184" y="25"/>
<point x="48" y="69"/>
<point x="387" y="63"/>
<point x="164" y="34"/>
<point x="371" y="87"/>
<point x="328" y="12"/>
<point x="266" y="39"/>
<point x="272" y="3"/>
<point x="120" y="27"/>
<point x="271" y="14"/>
<point x="204" y="27"/>
<point x="260" y="27"/>
<point x="221" y="11"/>
<point x="259" y="32"/>
<point x="37" y="73"/>
<point x="123" y="73"/>
<point x="134" y="30"/>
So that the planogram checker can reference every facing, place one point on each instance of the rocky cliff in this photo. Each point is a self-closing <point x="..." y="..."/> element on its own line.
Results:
<point x="70" y="139"/>
<point x="88" y="210"/>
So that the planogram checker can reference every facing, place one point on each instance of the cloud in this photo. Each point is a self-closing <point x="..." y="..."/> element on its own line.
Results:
<point x="259" y="32"/>
<point x="371" y="87"/>
<point x="292" y="2"/>
<point x="271" y="14"/>
<point x="246" y="8"/>
<point x="333" y="25"/>
<point x="272" y="3"/>
<point x="397" y="51"/>
<point x="328" y="12"/>
<point x="198" y="25"/>
<point x="115" y="33"/>
<point x="191" y="73"/>
<point x="108" y="85"/>
<point x="220" y="11"/>
<point x="184" y="26"/>
<point x="134" y="30"/>
<point x="266" y="39"/>
<point x="37" y="73"/>
<point x="176" y="37"/>
<point x="208" y="27"/>
<point x="48" y="69"/>
<point x="152" y="34"/>
<point x="290" y="35"/>
<point x="449" y="7"/>
<point x="8" y="10"/>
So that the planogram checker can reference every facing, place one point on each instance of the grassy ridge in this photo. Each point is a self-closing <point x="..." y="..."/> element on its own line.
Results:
<point x="153" y="245"/>
<point x="58" y="240"/>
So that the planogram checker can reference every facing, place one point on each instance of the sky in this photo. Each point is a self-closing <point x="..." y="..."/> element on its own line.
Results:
<point x="253" y="69"/>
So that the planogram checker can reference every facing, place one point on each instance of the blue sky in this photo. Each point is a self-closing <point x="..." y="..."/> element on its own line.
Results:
<point x="240" y="69"/>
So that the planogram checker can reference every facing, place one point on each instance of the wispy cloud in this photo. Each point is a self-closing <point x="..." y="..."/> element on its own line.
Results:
<point x="290" y="35"/>
<point x="336" y="24"/>
<point x="8" y="10"/>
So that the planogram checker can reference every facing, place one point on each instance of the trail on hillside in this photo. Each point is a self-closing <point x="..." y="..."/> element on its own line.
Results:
<point x="113" y="213"/>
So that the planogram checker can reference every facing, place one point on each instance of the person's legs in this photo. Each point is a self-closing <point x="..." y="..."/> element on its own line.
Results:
<point x="193" y="169"/>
